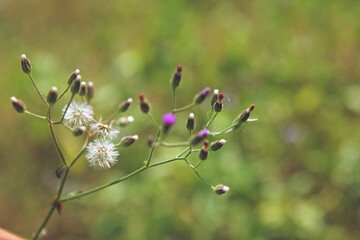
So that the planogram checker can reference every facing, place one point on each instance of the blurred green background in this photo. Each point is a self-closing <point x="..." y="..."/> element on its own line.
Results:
<point x="294" y="174"/>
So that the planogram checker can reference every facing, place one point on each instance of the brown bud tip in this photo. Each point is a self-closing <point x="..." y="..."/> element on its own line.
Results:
<point x="90" y="91"/>
<point x="206" y="144"/>
<point x="179" y="68"/>
<point x="59" y="206"/>
<point x="252" y="107"/>
<point x="141" y="97"/>
<point x="83" y="88"/>
<point x="52" y="96"/>
<point x="221" y="97"/>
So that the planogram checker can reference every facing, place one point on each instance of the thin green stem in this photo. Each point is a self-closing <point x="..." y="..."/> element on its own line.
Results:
<point x="202" y="179"/>
<point x="67" y="107"/>
<point x="43" y="224"/>
<point x="37" y="89"/>
<point x="226" y="130"/>
<point x="71" y="197"/>
<point x="34" y="115"/>
<point x="183" y="152"/>
<point x="181" y="144"/>
<point x="184" y="108"/>
<point x="153" y="119"/>
<point x="65" y="91"/>
<point x="211" y="120"/>
<point x="153" y="147"/>
<point x="55" y="139"/>
<point x="198" y="164"/>
<point x="174" y="100"/>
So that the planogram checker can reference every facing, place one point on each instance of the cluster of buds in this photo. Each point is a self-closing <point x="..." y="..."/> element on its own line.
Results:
<point x="204" y="151"/>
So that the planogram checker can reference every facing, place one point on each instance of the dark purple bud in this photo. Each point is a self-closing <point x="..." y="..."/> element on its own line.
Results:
<point x="60" y="170"/>
<point x="216" y="145"/>
<point x="168" y="120"/>
<point x="190" y="124"/>
<point x="200" y="97"/>
<point x="18" y="105"/>
<point x="73" y="76"/>
<point x="176" y="78"/>
<point x="52" y="96"/>
<point x="83" y="88"/>
<point x="75" y="86"/>
<point x="127" y="141"/>
<point x="221" y="189"/>
<point x="78" y="131"/>
<point x="214" y="97"/>
<point x="204" y="151"/>
<point x="200" y="136"/>
<point x="25" y="64"/>
<point x="90" y="91"/>
<point x="144" y="106"/>
<point x="243" y="117"/>
<point x="123" y="107"/>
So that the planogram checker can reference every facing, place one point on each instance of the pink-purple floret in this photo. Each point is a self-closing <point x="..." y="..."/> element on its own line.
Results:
<point x="169" y="119"/>
<point x="203" y="133"/>
<point x="205" y="91"/>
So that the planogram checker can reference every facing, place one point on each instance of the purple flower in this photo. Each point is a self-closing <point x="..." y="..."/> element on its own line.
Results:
<point x="200" y="97"/>
<point x="168" y="120"/>
<point x="200" y="136"/>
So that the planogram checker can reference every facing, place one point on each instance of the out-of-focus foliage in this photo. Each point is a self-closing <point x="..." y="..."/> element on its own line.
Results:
<point x="294" y="174"/>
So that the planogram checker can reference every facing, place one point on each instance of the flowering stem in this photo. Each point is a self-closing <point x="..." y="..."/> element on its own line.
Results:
<point x="211" y="120"/>
<point x="153" y="147"/>
<point x="67" y="89"/>
<point x="65" y="199"/>
<point x="32" y="80"/>
<point x="55" y="140"/>
<point x="184" y="108"/>
<point x="34" y="115"/>
<point x="67" y="107"/>
<point x="181" y="144"/>
<point x="58" y="195"/>
<point x="226" y="130"/>
<point x="153" y="119"/>
<point x="174" y="100"/>
<point x="197" y="173"/>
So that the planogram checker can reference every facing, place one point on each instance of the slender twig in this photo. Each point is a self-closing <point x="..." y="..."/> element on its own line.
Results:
<point x="67" y="107"/>
<point x="184" y="108"/>
<point x="65" y="91"/>
<point x="55" y="139"/>
<point x="174" y="100"/>
<point x="181" y="144"/>
<point x="34" y="115"/>
<point x="37" y="89"/>
<point x="153" y="147"/>
<point x="211" y="120"/>
<point x="65" y="199"/>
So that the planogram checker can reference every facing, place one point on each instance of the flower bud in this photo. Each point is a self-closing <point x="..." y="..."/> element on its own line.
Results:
<point x="200" y="136"/>
<point x="200" y="97"/>
<point x="214" y="97"/>
<point x="218" y="104"/>
<point x="144" y="106"/>
<point x="243" y="117"/>
<point x="83" y="88"/>
<point x="73" y="76"/>
<point x="176" y="78"/>
<point x="204" y="151"/>
<point x="75" y="86"/>
<point x="52" y="96"/>
<point x="90" y="91"/>
<point x="59" y="171"/>
<point x="78" y="131"/>
<point x="123" y="121"/>
<point x="168" y="120"/>
<point x="123" y="107"/>
<point x="190" y="124"/>
<point x="216" y="145"/>
<point x="25" y="64"/>
<point x="221" y="189"/>
<point x="18" y="105"/>
<point x="127" y="141"/>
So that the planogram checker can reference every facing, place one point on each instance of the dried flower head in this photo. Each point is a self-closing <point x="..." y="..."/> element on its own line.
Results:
<point x="104" y="130"/>
<point x="78" y="114"/>
<point x="101" y="154"/>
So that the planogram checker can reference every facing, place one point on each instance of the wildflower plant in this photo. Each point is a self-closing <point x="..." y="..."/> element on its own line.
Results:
<point x="102" y="145"/>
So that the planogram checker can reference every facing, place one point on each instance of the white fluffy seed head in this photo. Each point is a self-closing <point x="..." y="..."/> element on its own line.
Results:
<point x="101" y="154"/>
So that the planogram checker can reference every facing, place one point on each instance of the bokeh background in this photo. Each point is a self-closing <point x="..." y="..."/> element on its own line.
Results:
<point x="294" y="174"/>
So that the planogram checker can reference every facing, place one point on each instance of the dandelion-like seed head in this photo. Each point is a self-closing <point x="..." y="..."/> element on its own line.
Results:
<point x="78" y="114"/>
<point x="104" y="130"/>
<point x="101" y="154"/>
